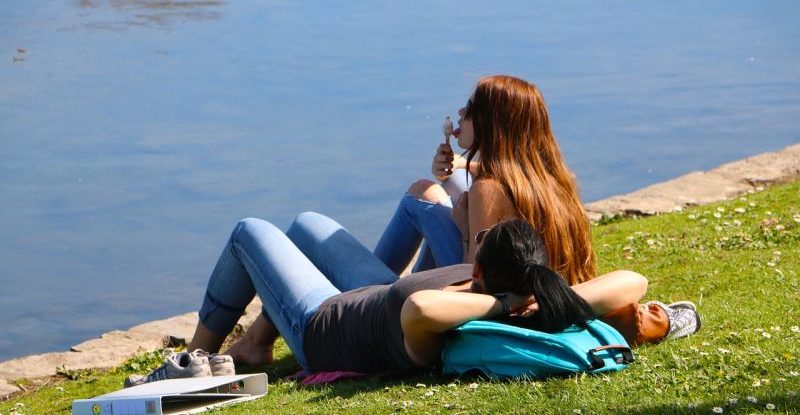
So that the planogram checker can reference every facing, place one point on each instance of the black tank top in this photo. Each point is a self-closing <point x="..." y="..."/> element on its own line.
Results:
<point x="360" y="331"/>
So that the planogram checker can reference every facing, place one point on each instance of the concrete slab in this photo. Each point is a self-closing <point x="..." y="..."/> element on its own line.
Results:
<point x="697" y="188"/>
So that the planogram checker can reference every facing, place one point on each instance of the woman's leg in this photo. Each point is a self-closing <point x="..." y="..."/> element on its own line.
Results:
<point x="423" y="212"/>
<point x="260" y="258"/>
<point x="337" y="254"/>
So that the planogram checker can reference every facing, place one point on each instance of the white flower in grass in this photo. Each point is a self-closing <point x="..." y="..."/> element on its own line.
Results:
<point x="766" y="335"/>
<point x="771" y="264"/>
<point x="421" y="385"/>
<point x="720" y="209"/>
<point x="752" y="399"/>
<point x="737" y="223"/>
<point x="759" y="188"/>
<point x="718" y="228"/>
<point x="756" y="384"/>
<point x="473" y="386"/>
<point x="779" y="227"/>
<point x="768" y="213"/>
<point x="740" y="210"/>
<point x="651" y="242"/>
<point x="770" y="407"/>
<point x="692" y="405"/>
<point x="717" y="410"/>
<point x="692" y="217"/>
<point x="706" y="344"/>
<point x="429" y="393"/>
<point x="794" y="374"/>
<point x="795" y="329"/>
<point x="752" y="204"/>
<point x="717" y="215"/>
<point x="777" y="253"/>
<point x="796" y="218"/>
<point x="775" y="328"/>
<point x="732" y="401"/>
<point x="704" y="220"/>
<point x="577" y="411"/>
<point x="723" y="351"/>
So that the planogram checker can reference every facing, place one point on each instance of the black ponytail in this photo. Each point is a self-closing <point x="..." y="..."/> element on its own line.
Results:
<point x="506" y="258"/>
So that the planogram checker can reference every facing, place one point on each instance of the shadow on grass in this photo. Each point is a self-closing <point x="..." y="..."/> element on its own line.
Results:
<point x="279" y="369"/>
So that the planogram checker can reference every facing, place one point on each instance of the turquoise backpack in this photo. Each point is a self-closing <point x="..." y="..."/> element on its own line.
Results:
<point x="501" y="350"/>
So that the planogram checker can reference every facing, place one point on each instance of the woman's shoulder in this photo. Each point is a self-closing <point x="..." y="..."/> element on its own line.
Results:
<point x="490" y="195"/>
<point x="487" y="185"/>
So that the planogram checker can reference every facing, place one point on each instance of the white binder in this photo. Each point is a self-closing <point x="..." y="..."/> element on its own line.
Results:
<point x="175" y="396"/>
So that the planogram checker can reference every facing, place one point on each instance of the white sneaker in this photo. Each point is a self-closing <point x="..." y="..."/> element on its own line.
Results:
<point x="221" y="364"/>
<point x="177" y="366"/>
<point x="683" y="318"/>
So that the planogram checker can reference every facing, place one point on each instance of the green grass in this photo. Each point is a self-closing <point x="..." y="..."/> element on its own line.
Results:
<point x="738" y="260"/>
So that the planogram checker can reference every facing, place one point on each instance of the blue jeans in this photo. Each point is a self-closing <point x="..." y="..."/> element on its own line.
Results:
<point x="292" y="273"/>
<point x="416" y="220"/>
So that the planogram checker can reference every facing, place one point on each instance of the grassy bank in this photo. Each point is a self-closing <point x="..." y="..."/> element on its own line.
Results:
<point x="738" y="260"/>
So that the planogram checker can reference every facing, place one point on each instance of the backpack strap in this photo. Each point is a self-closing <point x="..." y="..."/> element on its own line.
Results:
<point x="598" y="362"/>
<point x="612" y="339"/>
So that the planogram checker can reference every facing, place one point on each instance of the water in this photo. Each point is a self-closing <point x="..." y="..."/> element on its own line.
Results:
<point x="134" y="133"/>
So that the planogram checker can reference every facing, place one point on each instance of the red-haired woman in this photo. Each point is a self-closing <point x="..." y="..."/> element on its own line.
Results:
<point x="519" y="173"/>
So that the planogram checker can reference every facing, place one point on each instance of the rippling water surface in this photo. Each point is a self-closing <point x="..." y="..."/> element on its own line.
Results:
<point x="134" y="133"/>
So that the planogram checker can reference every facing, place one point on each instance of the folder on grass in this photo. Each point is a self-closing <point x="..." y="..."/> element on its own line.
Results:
<point x="175" y="396"/>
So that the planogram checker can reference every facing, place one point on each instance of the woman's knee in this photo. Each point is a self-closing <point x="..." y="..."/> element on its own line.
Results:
<point x="428" y="190"/>
<point x="312" y="223"/>
<point x="253" y="228"/>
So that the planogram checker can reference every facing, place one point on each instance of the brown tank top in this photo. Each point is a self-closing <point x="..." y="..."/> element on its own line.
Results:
<point x="360" y="330"/>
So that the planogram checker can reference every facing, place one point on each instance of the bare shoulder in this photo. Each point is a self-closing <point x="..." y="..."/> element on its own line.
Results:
<point x="484" y="186"/>
<point x="489" y="196"/>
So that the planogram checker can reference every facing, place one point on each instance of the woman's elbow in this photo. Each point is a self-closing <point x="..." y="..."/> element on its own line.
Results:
<point x="636" y="284"/>
<point x="415" y="310"/>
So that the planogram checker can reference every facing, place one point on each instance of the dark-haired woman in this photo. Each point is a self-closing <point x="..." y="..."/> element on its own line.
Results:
<point x="386" y="327"/>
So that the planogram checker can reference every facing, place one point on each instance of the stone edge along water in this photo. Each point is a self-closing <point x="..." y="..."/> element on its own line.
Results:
<point x="696" y="188"/>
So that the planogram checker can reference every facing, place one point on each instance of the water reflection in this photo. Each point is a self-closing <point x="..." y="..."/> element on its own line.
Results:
<point x="154" y="12"/>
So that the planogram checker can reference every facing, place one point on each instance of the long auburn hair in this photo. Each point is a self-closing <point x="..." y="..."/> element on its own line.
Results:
<point x="517" y="148"/>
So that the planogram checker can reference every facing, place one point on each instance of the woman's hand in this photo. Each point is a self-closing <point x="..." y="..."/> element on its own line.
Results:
<point x="522" y="306"/>
<point x="442" y="166"/>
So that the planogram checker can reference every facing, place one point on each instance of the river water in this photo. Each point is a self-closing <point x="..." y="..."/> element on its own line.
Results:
<point x="134" y="133"/>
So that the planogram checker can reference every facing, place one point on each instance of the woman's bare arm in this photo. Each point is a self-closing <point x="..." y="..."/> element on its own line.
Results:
<point x="613" y="290"/>
<point x="429" y="313"/>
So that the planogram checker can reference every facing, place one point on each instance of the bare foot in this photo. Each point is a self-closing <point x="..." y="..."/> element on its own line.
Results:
<point x="255" y="347"/>
<point x="244" y="352"/>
